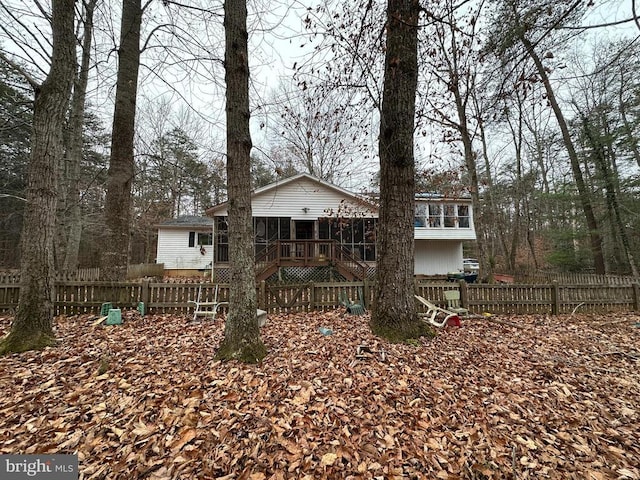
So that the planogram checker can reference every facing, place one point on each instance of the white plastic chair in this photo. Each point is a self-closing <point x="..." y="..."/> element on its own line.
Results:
<point x="433" y="312"/>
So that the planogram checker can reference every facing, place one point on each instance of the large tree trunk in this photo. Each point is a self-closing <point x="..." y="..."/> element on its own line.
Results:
<point x="583" y="192"/>
<point x="394" y="314"/>
<point x="32" y="327"/>
<point x="118" y="201"/>
<point x="241" y="333"/>
<point x="69" y="212"/>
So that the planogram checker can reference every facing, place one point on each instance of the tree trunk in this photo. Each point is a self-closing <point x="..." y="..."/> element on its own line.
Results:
<point x="70" y="217"/>
<point x="241" y="333"/>
<point x="583" y="193"/>
<point x="470" y="163"/>
<point x="117" y="209"/>
<point x="394" y="311"/>
<point x="32" y="327"/>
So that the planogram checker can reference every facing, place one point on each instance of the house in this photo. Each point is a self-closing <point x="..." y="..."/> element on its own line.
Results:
<point x="306" y="228"/>
<point x="442" y="225"/>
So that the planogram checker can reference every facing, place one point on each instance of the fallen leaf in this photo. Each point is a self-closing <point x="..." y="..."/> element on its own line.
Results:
<point x="328" y="459"/>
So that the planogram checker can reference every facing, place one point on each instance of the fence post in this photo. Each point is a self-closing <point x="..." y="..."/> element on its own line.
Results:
<point x="262" y="297"/>
<point x="312" y="296"/>
<point x="366" y="292"/>
<point x="555" y="298"/>
<point x="636" y="297"/>
<point x="145" y="294"/>
<point x="464" y="294"/>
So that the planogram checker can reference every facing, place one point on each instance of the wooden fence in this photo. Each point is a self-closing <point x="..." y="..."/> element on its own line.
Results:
<point x="139" y="270"/>
<point x="574" y="278"/>
<point x="80" y="275"/>
<point x="173" y="298"/>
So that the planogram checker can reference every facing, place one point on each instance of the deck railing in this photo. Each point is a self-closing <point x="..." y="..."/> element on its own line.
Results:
<point x="307" y="253"/>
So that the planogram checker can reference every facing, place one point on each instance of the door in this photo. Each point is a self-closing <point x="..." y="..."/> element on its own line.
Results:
<point x="304" y="231"/>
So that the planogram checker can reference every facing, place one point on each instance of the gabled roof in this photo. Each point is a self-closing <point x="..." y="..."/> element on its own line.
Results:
<point x="280" y="183"/>
<point x="187" y="221"/>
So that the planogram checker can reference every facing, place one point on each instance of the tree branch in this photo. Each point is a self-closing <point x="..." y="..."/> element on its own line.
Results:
<point x="190" y="7"/>
<point x="30" y="80"/>
<point x="603" y="25"/>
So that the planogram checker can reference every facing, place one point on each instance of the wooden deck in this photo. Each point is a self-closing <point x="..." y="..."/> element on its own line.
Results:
<point x="308" y="253"/>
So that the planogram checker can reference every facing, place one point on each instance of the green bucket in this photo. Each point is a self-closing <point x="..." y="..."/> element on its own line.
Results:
<point x="114" y="317"/>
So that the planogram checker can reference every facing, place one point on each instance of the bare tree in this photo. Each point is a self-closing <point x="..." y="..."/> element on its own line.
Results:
<point x="241" y="333"/>
<point x="69" y="218"/>
<point x="118" y="202"/>
<point x="394" y="314"/>
<point x="603" y="123"/>
<point x="312" y="125"/>
<point x="32" y="327"/>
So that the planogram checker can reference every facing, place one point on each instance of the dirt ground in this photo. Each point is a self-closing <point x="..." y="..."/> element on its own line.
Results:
<point x="531" y="397"/>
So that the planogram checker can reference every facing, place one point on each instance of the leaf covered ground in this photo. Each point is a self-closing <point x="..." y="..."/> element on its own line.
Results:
<point x="557" y="398"/>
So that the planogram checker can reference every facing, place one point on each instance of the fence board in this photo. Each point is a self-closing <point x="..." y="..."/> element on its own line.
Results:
<point x="93" y="274"/>
<point x="287" y="298"/>
<point x="145" y="270"/>
<point x="434" y="291"/>
<point x="327" y="295"/>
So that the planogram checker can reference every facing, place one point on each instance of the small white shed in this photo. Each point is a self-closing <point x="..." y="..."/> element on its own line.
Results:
<point x="185" y="245"/>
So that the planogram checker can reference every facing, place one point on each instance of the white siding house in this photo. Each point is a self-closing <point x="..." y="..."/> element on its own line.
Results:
<point x="304" y="217"/>
<point x="303" y="198"/>
<point x="441" y="225"/>
<point x="185" y="245"/>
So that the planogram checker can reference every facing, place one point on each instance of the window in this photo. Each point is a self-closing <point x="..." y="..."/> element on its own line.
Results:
<point x="260" y="229"/>
<point x="369" y="239"/>
<point x="421" y="212"/>
<point x="323" y="228"/>
<point x="268" y="230"/>
<point x="356" y="234"/>
<point x="205" y="238"/>
<point x="358" y="231"/>
<point x="222" y="239"/>
<point x="285" y="228"/>
<point x="435" y="212"/>
<point x="449" y="216"/>
<point x="463" y="216"/>
<point x="272" y="228"/>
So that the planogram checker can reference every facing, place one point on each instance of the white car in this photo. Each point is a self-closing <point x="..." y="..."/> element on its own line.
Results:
<point x="470" y="265"/>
